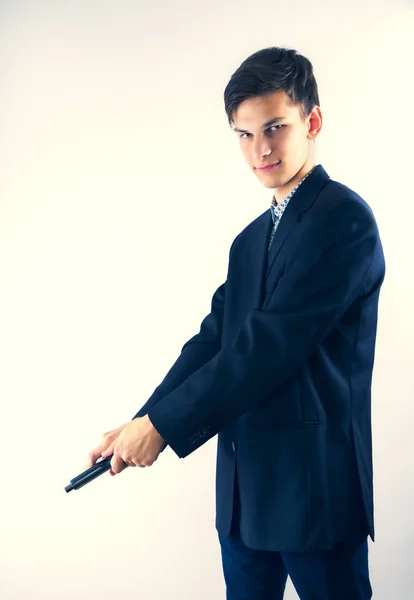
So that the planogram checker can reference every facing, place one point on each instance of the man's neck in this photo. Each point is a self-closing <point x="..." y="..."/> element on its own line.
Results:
<point x="280" y="193"/>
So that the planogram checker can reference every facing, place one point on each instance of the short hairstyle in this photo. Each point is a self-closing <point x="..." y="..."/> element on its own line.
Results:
<point x="273" y="70"/>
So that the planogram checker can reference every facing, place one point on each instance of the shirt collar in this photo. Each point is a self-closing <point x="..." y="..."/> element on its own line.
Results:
<point x="276" y="208"/>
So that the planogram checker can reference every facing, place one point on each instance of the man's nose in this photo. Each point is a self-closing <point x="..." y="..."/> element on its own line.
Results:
<point x="260" y="150"/>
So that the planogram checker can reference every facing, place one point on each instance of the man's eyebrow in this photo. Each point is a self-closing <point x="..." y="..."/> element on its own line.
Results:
<point x="275" y="120"/>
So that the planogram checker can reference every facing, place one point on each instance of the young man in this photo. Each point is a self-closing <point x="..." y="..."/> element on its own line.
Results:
<point x="281" y="368"/>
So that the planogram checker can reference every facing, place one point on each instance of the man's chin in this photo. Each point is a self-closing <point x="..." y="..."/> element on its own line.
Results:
<point x="268" y="183"/>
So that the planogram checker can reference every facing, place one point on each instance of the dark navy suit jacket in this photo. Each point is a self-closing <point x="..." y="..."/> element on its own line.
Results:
<point x="281" y="370"/>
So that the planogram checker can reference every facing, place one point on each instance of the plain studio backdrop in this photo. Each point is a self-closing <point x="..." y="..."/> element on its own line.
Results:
<point x="121" y="190"/>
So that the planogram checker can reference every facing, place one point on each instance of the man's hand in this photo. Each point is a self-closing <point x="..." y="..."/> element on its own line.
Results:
<point x="106" y="444"/>
<point x="137" y="445"/>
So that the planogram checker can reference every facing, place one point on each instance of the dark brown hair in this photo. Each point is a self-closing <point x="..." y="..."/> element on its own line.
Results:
<point x="272" y="70"/>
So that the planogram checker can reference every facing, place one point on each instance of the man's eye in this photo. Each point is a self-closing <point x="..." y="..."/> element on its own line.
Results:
<point x="276" y="126"/>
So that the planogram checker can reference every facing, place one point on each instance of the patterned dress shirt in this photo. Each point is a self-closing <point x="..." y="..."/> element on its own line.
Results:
<point x="277" y="210"/>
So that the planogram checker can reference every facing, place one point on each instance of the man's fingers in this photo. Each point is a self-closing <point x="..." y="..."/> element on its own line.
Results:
<point x="117" y="464"/>
<point x="92" y="457"/>
<point x="99" y="452"/>
<point x="106" y="446"/>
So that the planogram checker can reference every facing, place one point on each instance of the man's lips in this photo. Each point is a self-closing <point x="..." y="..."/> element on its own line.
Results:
<point x="268" y="167"/>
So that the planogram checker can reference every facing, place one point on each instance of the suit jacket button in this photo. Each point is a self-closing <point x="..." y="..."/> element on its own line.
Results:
<point x="233" y="445"/>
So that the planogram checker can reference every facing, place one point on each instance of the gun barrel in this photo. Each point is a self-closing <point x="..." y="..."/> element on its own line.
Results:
<point x="90" y="474"/>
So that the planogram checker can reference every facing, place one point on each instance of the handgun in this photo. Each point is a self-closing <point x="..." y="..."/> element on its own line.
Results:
<point x="94" y="471"/>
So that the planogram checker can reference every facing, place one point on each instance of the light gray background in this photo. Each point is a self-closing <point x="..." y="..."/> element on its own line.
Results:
<point x="121" y="190"/>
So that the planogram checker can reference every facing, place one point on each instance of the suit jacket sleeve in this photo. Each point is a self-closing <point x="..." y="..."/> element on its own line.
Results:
<point x="321" y="280"/>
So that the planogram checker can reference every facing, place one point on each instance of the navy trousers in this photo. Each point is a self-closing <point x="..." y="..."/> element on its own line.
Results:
<point x="337" y="574"/>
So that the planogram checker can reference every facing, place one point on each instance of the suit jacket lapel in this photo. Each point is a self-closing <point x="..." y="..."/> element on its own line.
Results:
<point x="256" y="261"/>
<point x="251" y="265"/>
<point x="300" y="202"/>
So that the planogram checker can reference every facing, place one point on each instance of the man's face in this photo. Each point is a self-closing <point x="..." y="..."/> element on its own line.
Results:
<point x="287" y="141"/>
